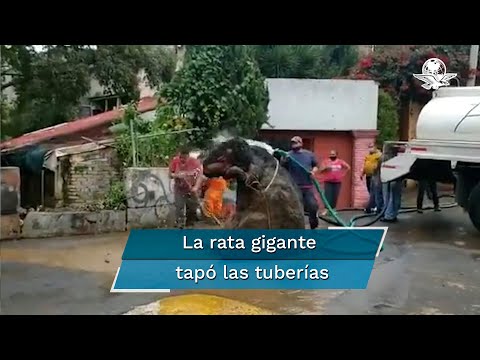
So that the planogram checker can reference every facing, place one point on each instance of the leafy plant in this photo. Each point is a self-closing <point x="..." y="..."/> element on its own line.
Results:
<point x="219" y="87"/>
<point x="116" y="198"/>
<point x="388" y="119"/>
<point x="154" y="143"/>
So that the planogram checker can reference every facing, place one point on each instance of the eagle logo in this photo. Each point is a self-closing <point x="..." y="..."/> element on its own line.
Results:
<point x="434" y="74"/>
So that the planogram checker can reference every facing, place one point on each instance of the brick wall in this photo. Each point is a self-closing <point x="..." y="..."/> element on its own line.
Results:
<point x="86" y="177"/>
<point x="361" y="141"/>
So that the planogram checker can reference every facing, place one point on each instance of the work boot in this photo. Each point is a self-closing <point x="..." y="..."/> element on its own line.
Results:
<point x="420" y="211"/>
<point x="437" y="209"/>
<point x="389" y="220"/>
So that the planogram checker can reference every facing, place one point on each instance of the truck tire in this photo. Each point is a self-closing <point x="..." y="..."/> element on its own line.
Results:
<point x="474" y="206"/>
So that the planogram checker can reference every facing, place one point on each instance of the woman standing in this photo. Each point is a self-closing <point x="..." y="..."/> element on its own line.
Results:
<point x="333" y="169"/>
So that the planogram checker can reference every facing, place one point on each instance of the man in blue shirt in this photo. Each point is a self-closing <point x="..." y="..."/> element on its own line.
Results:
<point x="302" y="178"/>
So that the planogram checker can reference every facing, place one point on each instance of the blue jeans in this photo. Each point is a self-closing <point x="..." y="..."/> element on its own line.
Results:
<point x="310" y="205"/>
<point x="392" y="199"/>
<point x="376" y="196"/>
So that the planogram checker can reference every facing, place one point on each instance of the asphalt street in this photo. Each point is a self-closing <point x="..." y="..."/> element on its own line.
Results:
<point x="430" y="265"/>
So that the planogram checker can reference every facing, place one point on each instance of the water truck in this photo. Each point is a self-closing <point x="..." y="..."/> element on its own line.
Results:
<point x="446" y="148"/>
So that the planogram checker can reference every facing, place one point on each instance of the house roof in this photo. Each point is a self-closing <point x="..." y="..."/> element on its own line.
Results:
<point x="74" y="127"/>
<point x="322" y="104"/>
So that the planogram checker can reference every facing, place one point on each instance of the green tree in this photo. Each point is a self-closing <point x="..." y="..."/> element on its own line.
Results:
<point x="116" y="67"/>
<point x="338" y="60"/>
<point x="392" y="67"/>
<point x="219" y="87"/>
<point x="49" y="84"/>
<point x="387" y="119"/>
<point x="305" y="61"/>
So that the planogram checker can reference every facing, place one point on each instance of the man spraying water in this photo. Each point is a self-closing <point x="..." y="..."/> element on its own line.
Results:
<point x="302" y="178"/>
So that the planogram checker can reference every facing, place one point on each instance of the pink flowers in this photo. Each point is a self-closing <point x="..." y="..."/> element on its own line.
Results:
<point x="366" y="63"/>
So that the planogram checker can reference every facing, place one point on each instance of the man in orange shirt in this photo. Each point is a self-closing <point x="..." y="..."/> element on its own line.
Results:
<point x="213" y="196"/>
<point x="213" y="201"/>
<point x="185" y="171"/>
<point x="214" y="188"/>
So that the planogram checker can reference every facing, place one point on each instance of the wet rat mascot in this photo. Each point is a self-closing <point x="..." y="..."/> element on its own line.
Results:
<point x="266" y="196"/>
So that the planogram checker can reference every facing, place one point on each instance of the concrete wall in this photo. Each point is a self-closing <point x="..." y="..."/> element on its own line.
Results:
<point x="145" y="90"/>
<point x="308" y="104"/>
<point x="10" y="190"/>
<point x="51" y="224"/>
<point x="149" y="198"/>
<point x="85" y="178"/>
<point x="150" y="205"/>
<point x="9" y="227"/>
<point x="144" y="86"/>
<point x="8" y="94"/>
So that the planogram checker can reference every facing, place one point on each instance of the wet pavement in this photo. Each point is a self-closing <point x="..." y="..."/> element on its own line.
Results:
<point x="430" y="265"/>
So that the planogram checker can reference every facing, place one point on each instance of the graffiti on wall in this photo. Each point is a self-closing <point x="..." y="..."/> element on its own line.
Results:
<point x="148" y="187"/>
<point x="10" y="190"/>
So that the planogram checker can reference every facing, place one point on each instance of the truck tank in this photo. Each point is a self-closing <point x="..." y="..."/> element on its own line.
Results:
<point x="453" y="114"/>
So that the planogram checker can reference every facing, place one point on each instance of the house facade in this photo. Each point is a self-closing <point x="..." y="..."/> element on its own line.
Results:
<point x="327" y="114"/>
<point x="69" y="164"/>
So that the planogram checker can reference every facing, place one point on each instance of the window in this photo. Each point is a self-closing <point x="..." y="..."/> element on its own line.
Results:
<point x="105" y="103"/>
<point x="85" y="111"/>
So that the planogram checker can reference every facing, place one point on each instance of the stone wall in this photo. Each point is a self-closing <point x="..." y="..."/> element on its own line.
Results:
<point x="86" y="178"/>
<point x="149" y="198"/>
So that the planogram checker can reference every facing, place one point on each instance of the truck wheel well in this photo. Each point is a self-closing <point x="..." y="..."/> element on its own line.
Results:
<point x="467" y="179"/>
<point x="437" y="170"/>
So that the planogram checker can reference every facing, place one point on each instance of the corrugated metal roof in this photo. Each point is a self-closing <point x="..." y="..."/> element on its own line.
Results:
<point x="74" y="127"/>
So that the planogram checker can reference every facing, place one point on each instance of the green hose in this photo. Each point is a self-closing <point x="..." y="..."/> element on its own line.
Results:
<point x="331" y="211"/>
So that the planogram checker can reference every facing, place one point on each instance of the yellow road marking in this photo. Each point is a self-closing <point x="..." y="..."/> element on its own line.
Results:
<point x="199" y="304"/>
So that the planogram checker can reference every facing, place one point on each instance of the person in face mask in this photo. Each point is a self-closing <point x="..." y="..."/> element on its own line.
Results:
<point x="334" y="169"/>
<point x="370" y="164"/>
<point x="303" y="179"/>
